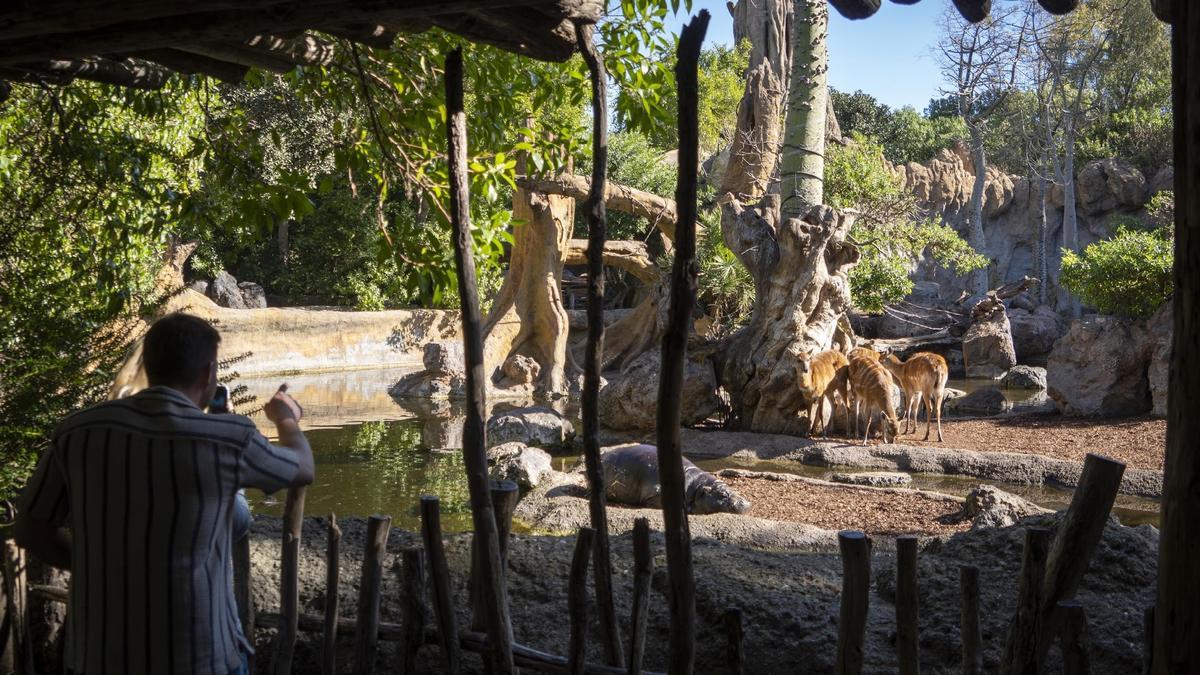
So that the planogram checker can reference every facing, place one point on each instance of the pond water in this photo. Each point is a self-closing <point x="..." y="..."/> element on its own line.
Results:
<point x="375" y="455"/>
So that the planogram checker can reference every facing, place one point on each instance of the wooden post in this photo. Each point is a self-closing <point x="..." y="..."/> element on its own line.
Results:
<point x="329" y="638"/>
<point x="733" y="633"/>
<point x="505" y="494"/>
<point x="242" y="584"/>
<point x="494" y="592"/>
<point x="439" y="575"/>
<point x="968" y="584"/>
<point x="289" y="586"/>
<point x="17" y="597"/>
<point x="1021" y="647"/>
<point x="415" y="609"/>
<point x="1075" y="540"/>
<point x="1073" y="636"/>
<point x="674" y="352"/>
<point x="366" y="634"/>
<point x="1177" y="614"/>
<point x="856" y="589"/>
<point x="610" y="634"/>
<point x="6" y="641"/>
<point x="577" y="602"/>
<point x="643" y="568"/>
<point x="907" y="647"/>
<point x="1148" y="640"/>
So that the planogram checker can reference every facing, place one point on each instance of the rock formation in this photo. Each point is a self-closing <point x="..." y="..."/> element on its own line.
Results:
<point x="988" y="344"/>
<point x="630" y="401"/>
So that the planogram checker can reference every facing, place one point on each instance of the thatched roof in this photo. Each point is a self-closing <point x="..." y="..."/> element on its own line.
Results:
<point x="138" y="43"/>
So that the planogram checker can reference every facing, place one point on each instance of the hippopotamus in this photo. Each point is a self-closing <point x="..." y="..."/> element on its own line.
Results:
<point x="631" y="477"/>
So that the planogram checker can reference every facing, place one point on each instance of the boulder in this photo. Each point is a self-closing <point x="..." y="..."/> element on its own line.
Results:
<point x="1164" y="179"/>
<point x="1025" y="377"/>
<point x="225" y="292"/>
<point x="444" y="375"/>
<point x="444" y="358"/>
<point x="983" y="402"/>
<point x="873" y="478"/>
<point x="200" y="286"/>
<point x="1099" y="368"/>
<point x="1109" y="184"/>
<point x="253" y="295"/>
<point x="521" y="369"/>
<point x="988" y="344"/>
<point x="990" y="506"/>
<point x="1034" y="333"/>
<point x="1158" y="331"/>
<point x="535" y="425"/>
<point x="630" y="400"/>
<point x="525" y="466"/>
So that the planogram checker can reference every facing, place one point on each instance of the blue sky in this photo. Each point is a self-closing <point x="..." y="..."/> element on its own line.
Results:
<point x="889" y="55"/>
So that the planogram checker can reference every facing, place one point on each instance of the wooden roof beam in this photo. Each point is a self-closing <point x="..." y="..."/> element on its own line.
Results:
<point x="507" y="31"/>
<point x="131" y="73"/>
<point x="371" y="34"/>
<point x="30" y="77"/>
<point x="276" y="54"/>
<point x="195" y="64"/>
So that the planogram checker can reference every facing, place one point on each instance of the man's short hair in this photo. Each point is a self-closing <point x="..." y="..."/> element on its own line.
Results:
<point x="177" y="348"/>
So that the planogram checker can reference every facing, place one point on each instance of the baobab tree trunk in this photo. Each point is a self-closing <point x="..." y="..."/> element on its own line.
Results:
<point x="802" y="164"/>
<point x="975" y="236"/>
<point x="1042" y="271"/>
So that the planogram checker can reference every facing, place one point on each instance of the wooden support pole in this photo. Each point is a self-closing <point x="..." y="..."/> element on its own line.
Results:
<point x="416" y="612"/>
<point x="242" y="589"/>
<point x="674" y="352"/>
<point x="1148" y="640"/>
<point x="329" y="639"/>
<point x="643" y="568"/>
<point x="1021" y="646"/>
<point x="1073" y="636"/>
<point x="6" y="616"/>
<point x="494" y="591"/>
<point x="577" y="601"/>
<point x="366" y="637"/>
<point x="505" y="495"/>
<point x="1076" y="539"/>
<point x="439" y="576"/>
<point x="907" y="633"/>
<point x="968" y="584"/>
<point x="17" y="598"/>
<point x="733" y="634"/>
<point x="289" y="585"/>
<point x="1177" y="613"/>
<point x="610" y="634"/>
<point x="855" y="548"/>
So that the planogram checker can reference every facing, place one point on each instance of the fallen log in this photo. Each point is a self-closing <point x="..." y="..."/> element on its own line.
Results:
<point x="660" y="211"/>
<point x="630" y="256"/>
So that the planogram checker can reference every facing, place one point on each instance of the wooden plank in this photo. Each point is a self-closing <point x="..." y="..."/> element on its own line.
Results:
<point x="439" y="575"/>
<point x="17" y="598"/>
<point x="289" y="585"/>
<point x="1177" y="614"/>
<point x="681" y="583"/>
<point x="416" y="612"/>
<point x="1073" y="636"/>
<point x="733" y="636"/>
<point x="1021" y="645"/>
<point x="643" y="569"/>
<point x="610" y="632"/>
<point x="1076" y="539"/>
<point x="333" y="540"/>
<point x="494" y="591"/>
<point x="968" y="584"/>
<point x="907" y="612"/>
<point x="855" y="549"/>
<point x="243" y="583"/>
<point x="577" y="612"/>
<point x="366" y="636"/>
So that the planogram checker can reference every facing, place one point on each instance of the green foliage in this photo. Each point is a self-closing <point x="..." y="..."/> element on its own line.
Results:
<point x="1128" y="275"/>
<point x="635" y="161"/>
<point x="888" y="229"/>
<point x="721" y="83"/>
<point x="725" y="286"/>
<point x="904" y="134"/>
<point x="1137" y="135"/>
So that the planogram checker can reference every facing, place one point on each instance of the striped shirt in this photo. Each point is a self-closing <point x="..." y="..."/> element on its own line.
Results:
<point x="146" y="485"/>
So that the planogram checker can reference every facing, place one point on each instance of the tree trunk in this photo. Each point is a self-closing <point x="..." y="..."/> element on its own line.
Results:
<point x="975" y="236"/>
<point x="528" y="317"/>
<point x="767" y="24"/>
<point x="802" y="164"/>
<point x="1042" y="271"/>
<point x="1070" y="219"/>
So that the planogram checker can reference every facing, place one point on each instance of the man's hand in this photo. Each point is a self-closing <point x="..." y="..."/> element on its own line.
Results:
<point x="282" y="407"/>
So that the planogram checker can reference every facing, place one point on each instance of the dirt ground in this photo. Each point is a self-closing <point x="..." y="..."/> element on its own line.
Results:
<point x="789" y="600"/>
<point x="844" y="507"/>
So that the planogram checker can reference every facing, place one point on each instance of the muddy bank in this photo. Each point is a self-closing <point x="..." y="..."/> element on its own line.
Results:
<point x="789" y="600"/>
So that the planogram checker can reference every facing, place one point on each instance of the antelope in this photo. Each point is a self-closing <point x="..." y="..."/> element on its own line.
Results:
<point x="872" y="387"/>
<point x="825" y="375"/>
<point x="923" y="378"/>
<point x="858" y="353"/>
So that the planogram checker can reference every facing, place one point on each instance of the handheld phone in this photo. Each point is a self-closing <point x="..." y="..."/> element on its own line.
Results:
<point x="220" y="400"/>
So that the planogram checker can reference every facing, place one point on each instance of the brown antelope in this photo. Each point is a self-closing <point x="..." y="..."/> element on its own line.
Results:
<point x="825" y="376"/>
<point x="872" y="387"/>
<point x="923" y="378"/>
<point x="858" y="353"/>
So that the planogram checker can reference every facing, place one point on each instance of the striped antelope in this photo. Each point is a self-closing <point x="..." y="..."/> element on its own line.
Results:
<point x="923" y="379"/>
<point x="821" y="377"/>
<point x="871" y="385"/>
<point x="853" y="401"/>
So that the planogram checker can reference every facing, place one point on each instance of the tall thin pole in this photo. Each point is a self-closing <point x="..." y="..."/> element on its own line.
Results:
<point x="493" y="591"/>
<point x="610" y="634"/>
<point x="674" y="351"/>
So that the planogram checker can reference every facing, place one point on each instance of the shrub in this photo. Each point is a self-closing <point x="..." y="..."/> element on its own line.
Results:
<point x="1128" y="275"/>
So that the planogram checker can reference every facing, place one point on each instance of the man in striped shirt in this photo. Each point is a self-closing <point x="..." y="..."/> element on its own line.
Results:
<point x="137" y="498"/>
